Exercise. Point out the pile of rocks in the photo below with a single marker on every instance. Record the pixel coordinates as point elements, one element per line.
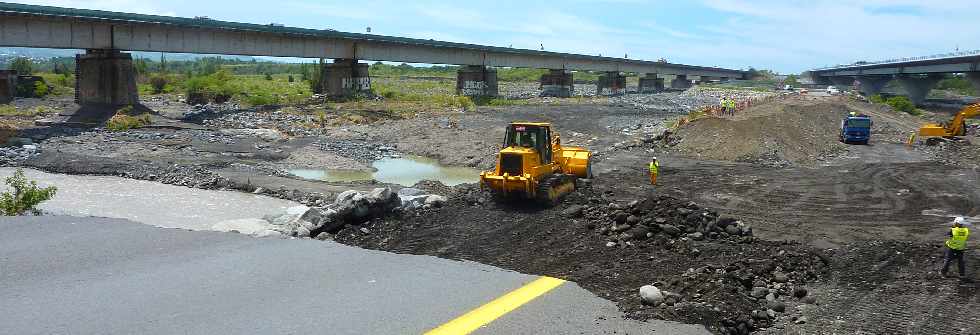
<point>668,102</point>
<point>13,155</point>
<point>350,208</point>
<point>662,217</point>
<point>772,284</point>
<point>358,150</point>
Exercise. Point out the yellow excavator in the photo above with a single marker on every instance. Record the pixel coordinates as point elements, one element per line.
<point>534,165</point>
<point>955,127</point>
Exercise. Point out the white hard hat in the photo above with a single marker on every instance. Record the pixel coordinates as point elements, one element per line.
<point>959,220</point>
<point>655,158</point>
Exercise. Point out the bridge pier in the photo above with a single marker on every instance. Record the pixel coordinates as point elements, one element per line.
<point>974,78</point>
<point>557,83</point>
<point>8,85</point>
<point>680,82</point>
<point>918,87</point>
<point>611,83</point>
<point>650,83</point>
<point>105,78</point>
<point>476,81</point>
<point>842,81</point>
<point>871,85</point>
<point>345,78</point>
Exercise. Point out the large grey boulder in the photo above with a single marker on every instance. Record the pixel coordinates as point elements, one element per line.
<point>651,295</point>
<point>434,200</point>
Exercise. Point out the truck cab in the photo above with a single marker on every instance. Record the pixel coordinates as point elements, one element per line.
<point>856,129</point>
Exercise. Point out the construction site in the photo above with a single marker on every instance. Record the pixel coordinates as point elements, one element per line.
<point>739,206</point>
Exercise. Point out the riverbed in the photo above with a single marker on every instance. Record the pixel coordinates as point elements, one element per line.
<point>149,202</point>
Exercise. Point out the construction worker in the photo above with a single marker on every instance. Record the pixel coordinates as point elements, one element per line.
<point>724,105</point>
<point>731,106</point>
<point>955,246</point>
<point>654,171</point>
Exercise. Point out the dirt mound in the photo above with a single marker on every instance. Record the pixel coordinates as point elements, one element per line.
<point>780,133</point>
<point>709,265</point>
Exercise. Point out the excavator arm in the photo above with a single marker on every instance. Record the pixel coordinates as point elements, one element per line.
<point>955,127</point>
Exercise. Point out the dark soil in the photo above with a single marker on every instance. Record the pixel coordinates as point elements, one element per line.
<point>709,280</point>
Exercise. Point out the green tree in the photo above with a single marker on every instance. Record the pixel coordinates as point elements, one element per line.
<point>22,65</point>
<point>792,80</point>
<point>25,197</point>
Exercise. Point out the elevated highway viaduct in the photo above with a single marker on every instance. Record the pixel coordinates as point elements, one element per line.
<point>105,75</point>
<point>917,75</point>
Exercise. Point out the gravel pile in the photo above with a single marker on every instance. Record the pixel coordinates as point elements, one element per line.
<point>665,102</point>
<point>358,150</point>
<point>17,154</point>
<point>288,123</point>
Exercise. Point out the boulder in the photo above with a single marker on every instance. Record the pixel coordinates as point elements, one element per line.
<point>410,191</point>
<point>697,236</point>
<point>413,201</point>
<point>759,292</point>
<point>435,200</point>
<point>733,230</point>
<point>780,277</point>
<point>670,229</point>
<point>324,219</point>
<point>651,295</point>
<point>799,292</point>
<point>573,211</point>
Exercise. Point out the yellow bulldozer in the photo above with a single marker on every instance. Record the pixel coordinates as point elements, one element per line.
<point>953,128</point>
<point>534,165</point>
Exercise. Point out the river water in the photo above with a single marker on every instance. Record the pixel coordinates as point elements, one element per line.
<point>149,202</point>
<point>405,171</point>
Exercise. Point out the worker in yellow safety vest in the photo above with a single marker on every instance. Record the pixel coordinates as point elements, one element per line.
<point>731,107</point>
<point>955,246</point>
<point>654,170</point>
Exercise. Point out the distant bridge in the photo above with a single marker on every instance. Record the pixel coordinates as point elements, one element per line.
<point>918,75</point>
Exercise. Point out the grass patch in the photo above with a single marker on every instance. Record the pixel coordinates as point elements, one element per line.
<point>123,120</point>
<point>11,110</point>
<point>903,104</point>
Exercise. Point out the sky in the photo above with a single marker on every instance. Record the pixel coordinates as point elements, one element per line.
<point>786,36</point>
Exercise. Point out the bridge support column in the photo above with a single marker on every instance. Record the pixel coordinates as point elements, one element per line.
<point>105,78</point>
<point>918,88</point>
<point>476,81</point>
<point>345,78</point>
<point>871,85</point>
<point>974,78</point>
<point>842,81</point>
<point>557,83</point>
<point>8,85</point>
<point>680,82</point>
<point>651,84</point>
<point>611,83</point>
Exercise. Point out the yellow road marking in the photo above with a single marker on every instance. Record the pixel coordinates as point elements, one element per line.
<point>485,314</point>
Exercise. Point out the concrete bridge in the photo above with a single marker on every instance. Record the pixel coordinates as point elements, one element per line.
<point>105,73</point>
<point>917,75</point>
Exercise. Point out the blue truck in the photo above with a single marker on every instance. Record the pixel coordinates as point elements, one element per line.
<point>855,129</point>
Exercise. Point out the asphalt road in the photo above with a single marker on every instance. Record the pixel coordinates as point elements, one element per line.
<point>68,275</point>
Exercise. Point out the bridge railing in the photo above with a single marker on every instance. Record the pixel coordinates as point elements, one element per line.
<point>903,60</point>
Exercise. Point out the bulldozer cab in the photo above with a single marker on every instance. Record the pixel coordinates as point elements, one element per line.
<point>530,136</point>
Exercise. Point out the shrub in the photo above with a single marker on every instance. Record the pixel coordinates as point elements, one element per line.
<point>158,83</point>
<point>26,195</point>
<point>876,99</point>
<point>268,76</point>
<point>40,89</point>
<point>291,79</point>
<point>123,120</point>
<point>902,104</point>
<point>23,65</point>
<point>262,99</point>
